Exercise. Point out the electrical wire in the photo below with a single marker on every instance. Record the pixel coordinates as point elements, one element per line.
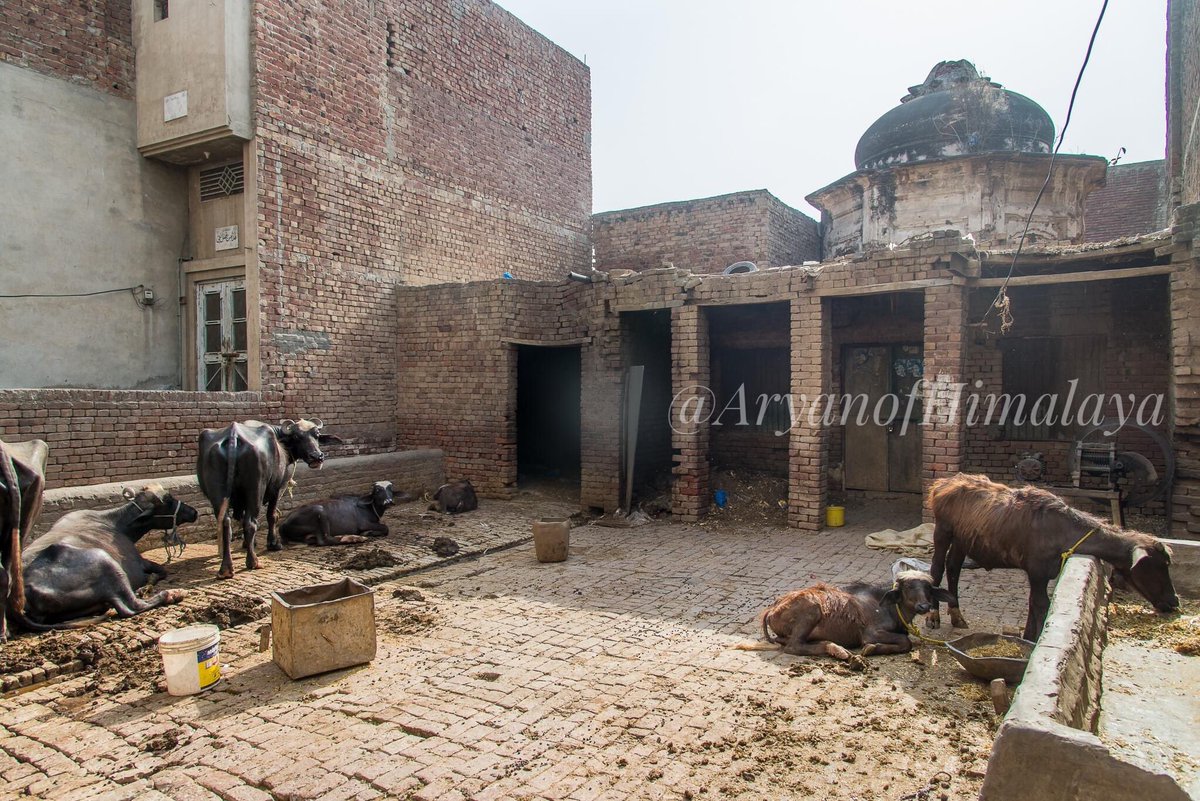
<point>1001,302</point>
<point>74,294</point>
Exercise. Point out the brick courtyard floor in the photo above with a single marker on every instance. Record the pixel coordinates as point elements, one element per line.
<point>609,675</point>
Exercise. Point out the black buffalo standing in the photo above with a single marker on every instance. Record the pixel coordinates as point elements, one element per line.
<point>342,519</point>
<point>22,479</point>
<point>244,466</point>
<point>88,562</point>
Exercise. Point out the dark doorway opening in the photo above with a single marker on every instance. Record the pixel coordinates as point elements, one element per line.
<point>646,342</point>
<point>548,419</point>
<point>750,372</point>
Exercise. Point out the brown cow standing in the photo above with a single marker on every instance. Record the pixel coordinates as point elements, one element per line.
<point>823,619</point>
<point>1030,528</point>
<point>22,480</point>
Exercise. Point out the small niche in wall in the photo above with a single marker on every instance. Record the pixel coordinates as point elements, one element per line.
<point>161,10</point>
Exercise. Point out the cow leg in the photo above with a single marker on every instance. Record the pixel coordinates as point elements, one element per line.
<point>375,530</point>
<point>324,535</point>
<point>274,541</point>
<point>249,530</point>
<point>886,642</point>
<point>954,565</point>
<point>127,603</point>
<point>943,536</point>
<point>226,570</point>
<point>1039,605</point>
<point>154,568</point>
<point>4,581</point>
<point>798,644</point>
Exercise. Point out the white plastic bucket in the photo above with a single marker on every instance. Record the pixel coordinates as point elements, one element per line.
<point>191,658</point>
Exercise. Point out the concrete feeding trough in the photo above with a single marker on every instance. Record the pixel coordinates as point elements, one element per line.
<point>321,627</point>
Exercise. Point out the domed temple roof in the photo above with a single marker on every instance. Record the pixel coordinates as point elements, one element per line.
<point>955,112</point>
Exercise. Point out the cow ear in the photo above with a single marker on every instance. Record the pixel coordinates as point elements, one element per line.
<point>890,598</point>
<point>127,494</point>
<point>1139,553</point>
<point>328,439</point>
<point>944,596</point>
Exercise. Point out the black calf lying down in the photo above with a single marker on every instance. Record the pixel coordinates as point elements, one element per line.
<point>455,498</point>
<point>88,562</point>
<point>342,520</point>
<point>827,620</point>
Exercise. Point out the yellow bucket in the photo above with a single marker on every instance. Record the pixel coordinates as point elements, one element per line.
<point>835,516</point>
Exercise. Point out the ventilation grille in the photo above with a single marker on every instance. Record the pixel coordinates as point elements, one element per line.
<point>221,182</point>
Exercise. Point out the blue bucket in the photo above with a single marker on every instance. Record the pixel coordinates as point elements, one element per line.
<point>720,499</point>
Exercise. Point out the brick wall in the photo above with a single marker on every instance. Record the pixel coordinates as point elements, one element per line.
<point>98,436</point>
<point>1183,99</point>
<point>456,375</point>
<point>1133,201</point>
<point>706,235</point>
<point>88,42</point>
<point>1185,356</point>
<point>402,144</point>
<point>415,472</point>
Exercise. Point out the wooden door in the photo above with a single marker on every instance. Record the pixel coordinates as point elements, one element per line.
<point>883,454</point>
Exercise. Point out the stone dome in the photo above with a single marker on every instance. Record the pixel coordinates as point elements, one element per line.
<point>955,112</point>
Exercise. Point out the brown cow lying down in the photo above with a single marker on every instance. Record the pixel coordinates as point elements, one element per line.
<point>823,619</point>
<point>342,519</point>
<point>88,562</point>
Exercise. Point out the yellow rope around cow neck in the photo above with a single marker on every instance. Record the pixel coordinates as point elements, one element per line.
<point>912,629</point>
<point>1067,554</point>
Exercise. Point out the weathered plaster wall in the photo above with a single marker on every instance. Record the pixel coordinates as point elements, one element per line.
<point>83,212</point>
<point>988,196</point>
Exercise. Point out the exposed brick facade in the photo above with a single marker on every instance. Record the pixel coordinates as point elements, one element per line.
<point>87,42</point>
<point>387,156</point>
<point>1183,101</point>
<point>99,436</point>
<point>706,235</point>
<point>1185,365</point>
<point>1132,202</point>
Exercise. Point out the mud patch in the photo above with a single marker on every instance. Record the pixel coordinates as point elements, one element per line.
<point>369,559</point>
<point>227,612</point>
<point>51,648</point>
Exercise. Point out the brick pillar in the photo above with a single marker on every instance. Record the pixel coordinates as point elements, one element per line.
<point>690,369</point>
<point>600,414</point>
<point>1185,379</point>
<point>943,439</point>
<point>811,354</point>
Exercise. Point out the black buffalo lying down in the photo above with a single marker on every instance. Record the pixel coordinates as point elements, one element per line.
<point>343,519</point>
<point>88,562</point>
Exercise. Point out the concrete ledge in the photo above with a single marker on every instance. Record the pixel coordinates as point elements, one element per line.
<point>1046,748</point>
<point>416,472</point>
<point>1185,567</point>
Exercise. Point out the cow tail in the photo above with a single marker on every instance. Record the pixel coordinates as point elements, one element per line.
<point>16,573</point>
<point>227,490</point>
<point>18,616</point>
<point>767,635</point>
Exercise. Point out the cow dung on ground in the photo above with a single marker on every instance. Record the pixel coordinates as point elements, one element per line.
<point>444,546</point>
<point>226,612</point>
<point>369,559</point>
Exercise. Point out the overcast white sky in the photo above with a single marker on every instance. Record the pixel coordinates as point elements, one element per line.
<point>692,98</point>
